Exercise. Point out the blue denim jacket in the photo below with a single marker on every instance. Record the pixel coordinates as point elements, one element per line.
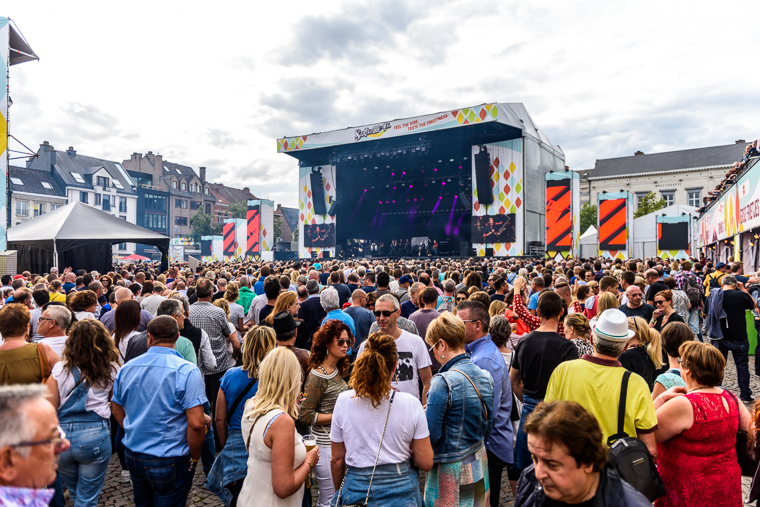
<point>454,411</point>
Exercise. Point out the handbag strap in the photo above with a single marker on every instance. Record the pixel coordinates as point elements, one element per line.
<point>248,440</point>
<point>621,410</point>
<point>387,415</point>
<point>485,409</point>
<point>239,399</point>
<point>44,365</point>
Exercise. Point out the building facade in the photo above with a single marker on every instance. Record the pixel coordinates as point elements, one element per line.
<point>33,193</point>
<point>678,177</point>
<point>226,196</point>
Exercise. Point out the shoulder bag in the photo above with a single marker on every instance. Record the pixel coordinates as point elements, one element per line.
<point>340,491</point>
<point>744,454</point>
<point>630,456</point>
<point>44,365</point>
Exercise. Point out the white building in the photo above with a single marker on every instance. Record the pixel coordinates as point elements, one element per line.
<point>33,193</point>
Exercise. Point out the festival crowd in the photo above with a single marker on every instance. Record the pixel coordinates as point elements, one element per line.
<point>381,383</point>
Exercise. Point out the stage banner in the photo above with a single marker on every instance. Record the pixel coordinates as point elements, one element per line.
<point>615,224</point>
<point>252,245</point>
<point>384,130</point>
<point>266,223</point>
<point>561,227</point>
<point>306,208</point>
<point>500,225</point>
<point>4,50</point>
<point>212,248</point>
<point>228,232</point>
<point>673,239</point>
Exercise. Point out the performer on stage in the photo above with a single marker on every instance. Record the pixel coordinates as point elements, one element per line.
<point>393,246</point>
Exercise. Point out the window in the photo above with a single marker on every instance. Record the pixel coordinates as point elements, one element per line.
<point>16,181</point>
<point>640,197</point>
<point>106,202</point>
<point>208,208</point>
<point>22,208</point>
<point>118,184</point>
<point>47,185</point>
<point>174,185</point>
<point>180,220</point>
<point>102,182</point>
<point>98,199</point>
<point>180,203</point>
<point>184,186</point>
<point>54,206</point>
<point>155,221</point>
<point>122,204</point>
<point>39,209</point>
<point>670,197</point>
<point>193,205</point>
<point>78,178</point>
<point>83,197</point>
<point>205,190</point>
<point>694,197</point>
<point>122,246</point>
<point>154,202</point>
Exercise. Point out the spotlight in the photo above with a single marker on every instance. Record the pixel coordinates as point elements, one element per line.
<point>365,189</point>
<point>393,174</point>
<point>411,187</point>
<point>435,169</point>
<point>443,183</point>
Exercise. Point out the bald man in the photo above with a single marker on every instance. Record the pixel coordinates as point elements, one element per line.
<point>363,318</point>
<point>108,319</point>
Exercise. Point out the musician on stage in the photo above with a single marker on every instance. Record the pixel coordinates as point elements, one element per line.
<point>490,231</point>
<point>393,247</point>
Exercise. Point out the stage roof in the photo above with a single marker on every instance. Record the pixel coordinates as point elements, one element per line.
<point>494,116</point>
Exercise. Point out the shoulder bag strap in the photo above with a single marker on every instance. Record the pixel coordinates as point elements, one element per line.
<point>239,399</point>
<point>44,365</point>
<point>248,440</point>
<point>621,410</point>
<point>485,409</point>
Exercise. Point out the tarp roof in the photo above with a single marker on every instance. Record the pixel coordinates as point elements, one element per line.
<point>20,51</point>
<point>76,225</point>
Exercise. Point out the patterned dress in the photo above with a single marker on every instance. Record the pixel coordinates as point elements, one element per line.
<point>459,484</point>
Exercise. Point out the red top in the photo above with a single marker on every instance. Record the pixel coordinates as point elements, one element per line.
<point>532,321</point>
<point>699,466</point>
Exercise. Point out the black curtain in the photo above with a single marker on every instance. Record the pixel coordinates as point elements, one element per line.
<point>39,260</point>
<point>32,259</point>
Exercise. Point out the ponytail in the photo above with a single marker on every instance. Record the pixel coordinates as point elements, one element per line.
<point>649,337</point>
<point>371,377</point>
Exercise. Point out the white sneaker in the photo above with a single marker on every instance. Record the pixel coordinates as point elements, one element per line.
<point>125,477</point>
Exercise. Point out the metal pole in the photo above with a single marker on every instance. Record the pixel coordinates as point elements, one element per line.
<point>55,255</point>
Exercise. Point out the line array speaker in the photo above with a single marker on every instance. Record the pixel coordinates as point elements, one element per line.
<point>483,176</point>
<point>318,193</point>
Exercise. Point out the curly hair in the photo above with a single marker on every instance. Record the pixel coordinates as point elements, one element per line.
<point>82,300</point>
<point>371,377</point>
<point>330,331</point>
<point>90,348</point>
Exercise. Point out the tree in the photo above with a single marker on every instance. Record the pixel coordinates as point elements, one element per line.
<point>588,216</point>
<point>649,204</point>
<point>203,224</point>
<point>277,227</point>
<point>238,210</point>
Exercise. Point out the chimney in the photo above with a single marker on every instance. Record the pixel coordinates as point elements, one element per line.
<point>638,153</point>
<point>203,174</point>
<point>247,190</point>
<point>740,141</point>
<point>159,161</point>
<point>71,151</point>
<point>136,156</point>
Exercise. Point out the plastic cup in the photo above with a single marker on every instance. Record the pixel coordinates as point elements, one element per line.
<point>310,443</point>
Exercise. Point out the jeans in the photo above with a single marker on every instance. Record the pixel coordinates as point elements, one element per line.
<point>324,477</point>
<point>694,321</point>
<point>207,451</point>
<point>522,455</point>
<point>119,444</point>
<point>83,467</point>
<point>159,482</point>
<point>394,485</point>
<point>213,382</point>
<point>740,351</point>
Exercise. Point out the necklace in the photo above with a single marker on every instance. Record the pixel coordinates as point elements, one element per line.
<point>697,389</point>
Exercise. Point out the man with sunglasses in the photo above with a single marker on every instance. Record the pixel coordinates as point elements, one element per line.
<point>413,359</point>
<point>31,442</point>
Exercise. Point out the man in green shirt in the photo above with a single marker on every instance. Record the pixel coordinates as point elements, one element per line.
<point>246,294</point>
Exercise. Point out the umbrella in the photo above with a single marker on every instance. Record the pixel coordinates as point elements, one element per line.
<point>134,257</point>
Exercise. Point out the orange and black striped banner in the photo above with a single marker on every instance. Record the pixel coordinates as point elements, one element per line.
<point>228,241</point>
<point>252,232</point>
<point>612,224</point>
<point>559,219</point>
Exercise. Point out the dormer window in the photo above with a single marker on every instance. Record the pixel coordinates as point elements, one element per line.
<point>184,187</point>
<point>174,185</point>
<point>205,191</point>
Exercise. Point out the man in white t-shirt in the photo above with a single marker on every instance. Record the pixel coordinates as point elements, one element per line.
<point>54,322</point>
<point>413,358</point>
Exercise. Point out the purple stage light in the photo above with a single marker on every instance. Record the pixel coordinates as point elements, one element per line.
<point>460,166</point>
<point>394,202</point>
<point>394,188</point>
<point>443,183</point>
<point>403,172</point>
<point>411,187</point>
<point>423,170</point>
<point>386,202</point>
<point>365,189</point>
<point>393,174</point>
<point>455,196</point>
<point>380,202</point>
<point>440,197</point>
<point>435,169</point>
<point>415,200</point>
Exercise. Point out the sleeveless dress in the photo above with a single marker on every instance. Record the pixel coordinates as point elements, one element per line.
<point>257,487</point>
<point>699,466</point>
<point>20,365</point>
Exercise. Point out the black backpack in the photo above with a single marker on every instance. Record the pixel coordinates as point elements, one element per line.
<point>693,290</point>
<point>630,456</point>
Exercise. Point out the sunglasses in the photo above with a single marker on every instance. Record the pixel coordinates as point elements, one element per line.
<point>658,303</point>
<point>342,342</point>
<point>384,313</point>
<point>56,441</point>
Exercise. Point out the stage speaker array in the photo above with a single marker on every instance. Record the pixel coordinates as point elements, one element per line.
<point>318,193</point>
<point>483,176</point>
<point>333,208</point>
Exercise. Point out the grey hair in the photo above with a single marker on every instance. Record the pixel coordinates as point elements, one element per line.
<point>302,279</point>
<point>245,281</point>
<point>500,330</point>
<point>389,297</point>
<point>183,301</point>
<point>729,280</point>
<point>329,299</point>
<point>61,315</point>
<point>361,271</point>
<point>449,285</point>
<point>312,286</point>
<point>39,286</point>
<point>608,348</point>
<point>170,307</point>
<point>17,427</point>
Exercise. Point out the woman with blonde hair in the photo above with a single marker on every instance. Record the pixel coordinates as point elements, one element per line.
<point>238,385</point>
<point>496,308</point>
<point>288,300</point>
<point>376,430</point>
<point>644,352</point>
<point>237,312</point>
<point>578,330</point>
<point>278,462</point>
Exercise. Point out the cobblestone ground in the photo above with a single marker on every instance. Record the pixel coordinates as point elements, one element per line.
<point>119,494</point>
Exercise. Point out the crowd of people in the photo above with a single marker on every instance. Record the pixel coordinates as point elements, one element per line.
<point>732,175</point>
<point>342,382</point>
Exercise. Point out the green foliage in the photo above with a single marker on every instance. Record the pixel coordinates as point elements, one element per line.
<point>649,204</point>
<point>278,227</point>
<point>203,224</point>
<point>238,210</point>
<point>588,216</point>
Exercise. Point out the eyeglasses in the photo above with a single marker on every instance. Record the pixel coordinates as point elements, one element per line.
<point>56,441</point>
<point>384,313</point>
<point>469,320</point>
<point>45,318</point>
<point>430,350</point>
<point>658,303</point>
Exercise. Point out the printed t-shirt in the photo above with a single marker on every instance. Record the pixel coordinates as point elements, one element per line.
<point>412,356</point>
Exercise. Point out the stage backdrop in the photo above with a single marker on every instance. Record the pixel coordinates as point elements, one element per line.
<point>508,197</point>
<point>306,207</point>
<point>615,224</point>
<point>253,229</point>
<point>562,226</point>
<point>673,236</point>
<point>211,248</point>
<point>235,236</point>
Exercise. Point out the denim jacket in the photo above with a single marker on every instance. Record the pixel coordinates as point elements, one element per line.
<point>455,413</point>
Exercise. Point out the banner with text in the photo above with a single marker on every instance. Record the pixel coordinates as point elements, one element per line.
<point>738,210</point>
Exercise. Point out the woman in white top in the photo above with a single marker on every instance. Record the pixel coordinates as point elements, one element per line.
<point>367,414</point>
<point>80,387</point>
<point>83,304</point>
<point>126,323</point>
<point>237,313</point>
<point>278,463</point>
<point>233,337</point>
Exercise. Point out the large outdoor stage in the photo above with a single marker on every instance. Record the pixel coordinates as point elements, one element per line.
<point>405,187</point>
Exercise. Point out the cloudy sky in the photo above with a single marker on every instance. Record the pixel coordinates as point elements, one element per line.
<point>216,83</point>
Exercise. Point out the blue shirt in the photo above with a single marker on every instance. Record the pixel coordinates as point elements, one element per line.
<point>234,382</point>
<point>343,317</point>
<point>155,389</point>
<point>258,287</point>
<point>363,320</point>
<point>533,302</point>
<point>408,308</point>
<point>486,355</point>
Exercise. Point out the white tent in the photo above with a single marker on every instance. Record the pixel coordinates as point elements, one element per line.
<point>589,242</point>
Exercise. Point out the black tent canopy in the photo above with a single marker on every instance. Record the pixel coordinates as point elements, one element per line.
<point>79,236</point>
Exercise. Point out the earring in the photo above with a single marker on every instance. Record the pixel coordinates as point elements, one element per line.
<point>442,357</point>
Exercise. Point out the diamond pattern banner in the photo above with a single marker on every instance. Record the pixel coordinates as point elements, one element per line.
<point>305,205</point>
<point>506,187</point>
